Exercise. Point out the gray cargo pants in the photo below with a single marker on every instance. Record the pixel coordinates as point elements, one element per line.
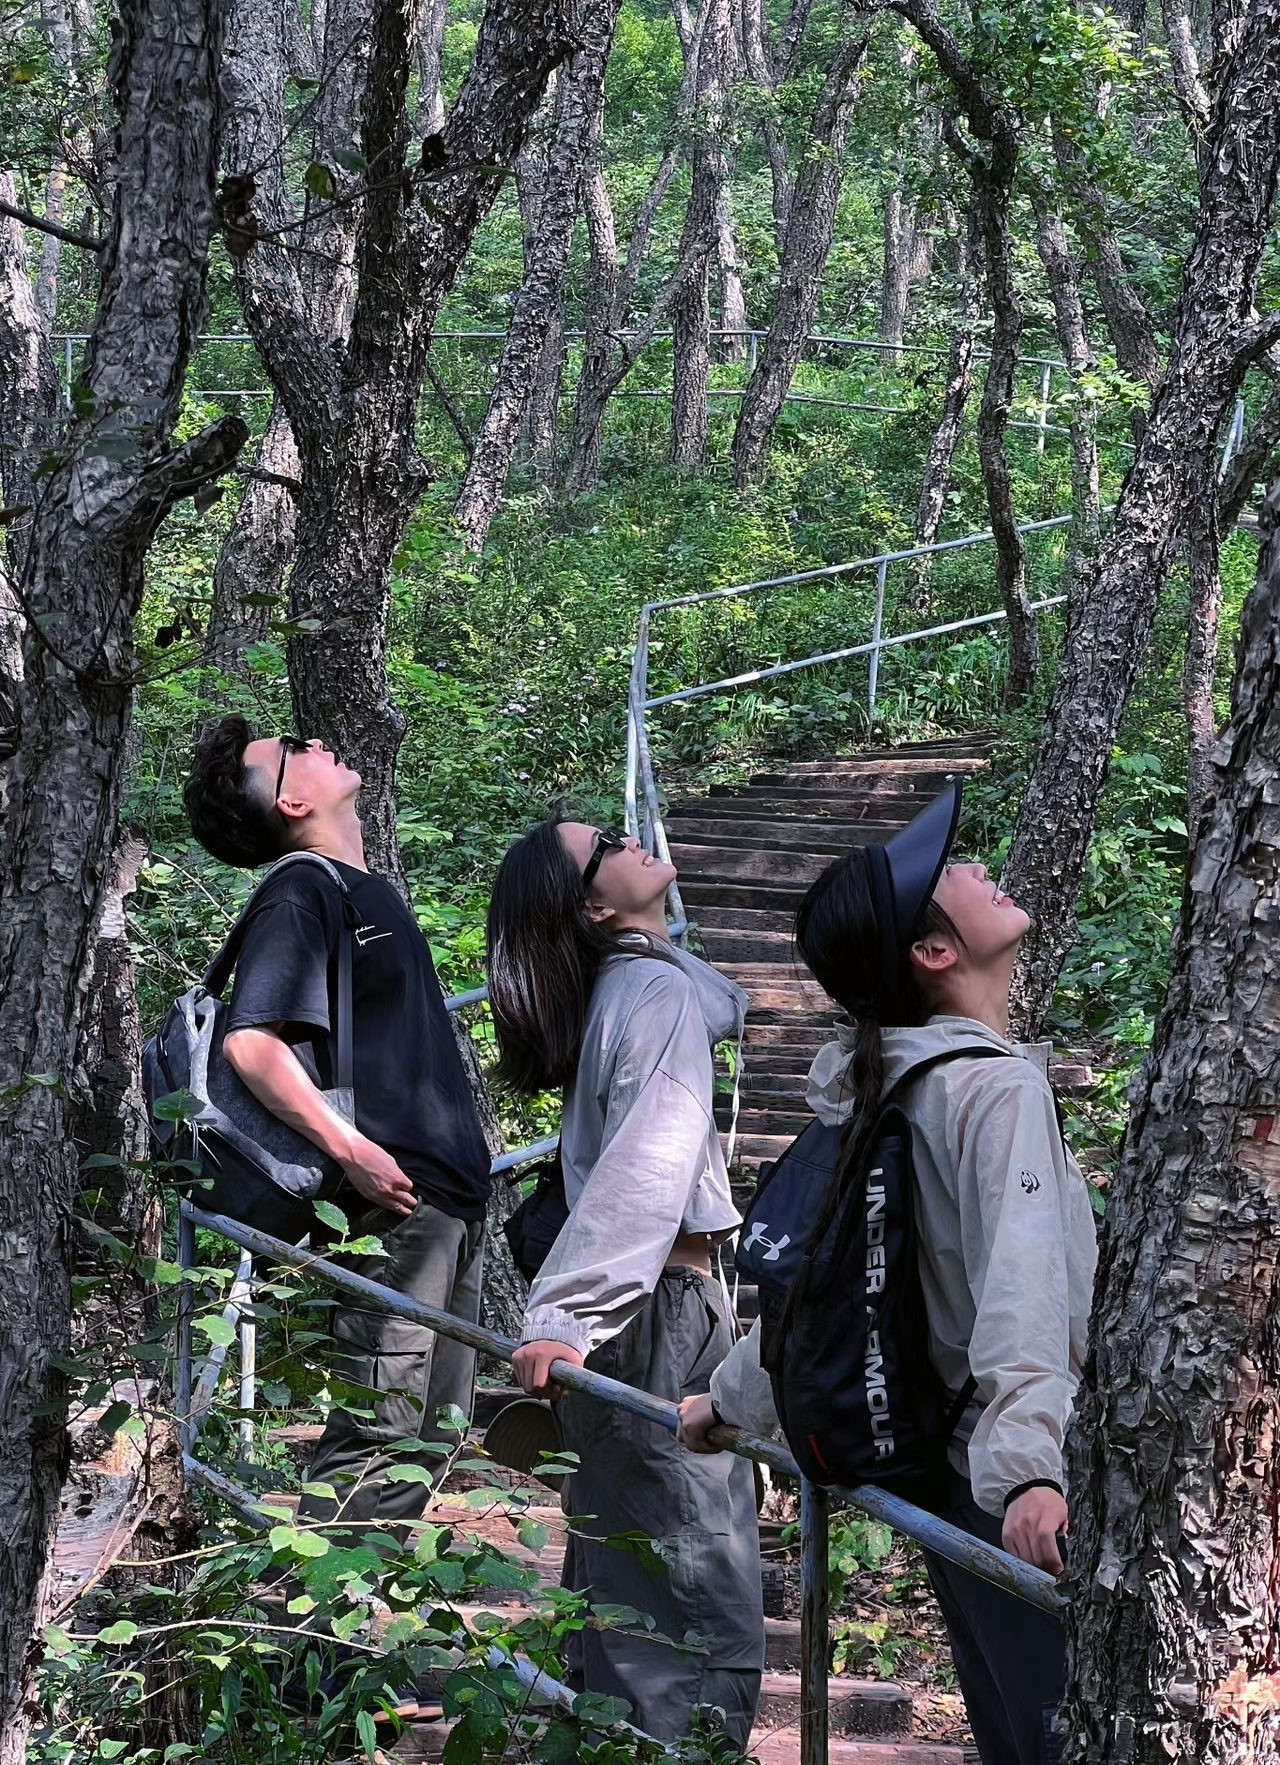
<point>416,1373</point>
<point>634,1477</point>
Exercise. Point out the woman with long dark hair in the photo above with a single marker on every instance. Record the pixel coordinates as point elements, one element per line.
<point>588,993</point>
<point>919,954</point>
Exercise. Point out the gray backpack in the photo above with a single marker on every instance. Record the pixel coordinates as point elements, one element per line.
<point>233,1155</point>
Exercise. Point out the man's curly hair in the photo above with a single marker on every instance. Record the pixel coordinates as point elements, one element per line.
<point>229,816</point>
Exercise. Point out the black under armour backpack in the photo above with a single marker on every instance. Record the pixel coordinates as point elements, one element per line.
<point>844,1336</point>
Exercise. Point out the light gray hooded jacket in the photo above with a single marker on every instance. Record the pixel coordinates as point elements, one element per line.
<point>1008,1251</point>
<point>638,1142</point>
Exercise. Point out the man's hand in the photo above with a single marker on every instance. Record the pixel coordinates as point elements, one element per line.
<point>697,1418</point>
<point>377,1176</point>
<point>1031,1526</point>
<point>532,1364</point>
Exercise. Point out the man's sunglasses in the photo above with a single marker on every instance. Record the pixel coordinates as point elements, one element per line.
<point>607,840</point>
<point>289,744</point>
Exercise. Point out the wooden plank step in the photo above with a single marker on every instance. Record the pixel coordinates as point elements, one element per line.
<point>699,893</point>
<point>780,833</point>
<point>748,946</point>
<point>744,919</point>
<point>781,1746</point>
<point>902,764</point>
<point>856,804</point>
<point>750,866</point>
<point>855,1706</point>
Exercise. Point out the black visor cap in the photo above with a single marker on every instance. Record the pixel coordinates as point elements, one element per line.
<point>913,861</point>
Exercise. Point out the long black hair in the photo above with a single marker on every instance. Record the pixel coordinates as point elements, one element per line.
<point>859,963</point>
<point>544,956</point>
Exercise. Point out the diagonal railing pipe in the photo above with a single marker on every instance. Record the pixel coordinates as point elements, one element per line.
<point>993,1565</point>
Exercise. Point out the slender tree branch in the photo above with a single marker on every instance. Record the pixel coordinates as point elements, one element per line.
<point>50,227</point>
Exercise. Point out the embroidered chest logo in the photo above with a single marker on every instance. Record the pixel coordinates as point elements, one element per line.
<point>1030,1182</point>
<point>369,934</point>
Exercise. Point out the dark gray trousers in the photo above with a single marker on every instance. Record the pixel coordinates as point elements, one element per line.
<point>701,1588</point>
<point>1010,1657</point>
<point>411,1372</point>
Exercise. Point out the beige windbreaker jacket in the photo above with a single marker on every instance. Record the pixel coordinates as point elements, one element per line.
<point>638,1142</point>
<point>1008,1251</point>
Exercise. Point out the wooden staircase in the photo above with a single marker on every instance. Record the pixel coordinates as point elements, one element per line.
<point>746,854</point>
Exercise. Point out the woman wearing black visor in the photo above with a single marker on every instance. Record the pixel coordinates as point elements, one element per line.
<point>918,952</point>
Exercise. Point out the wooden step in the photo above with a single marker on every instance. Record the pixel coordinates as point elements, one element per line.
<point>854,804</point>
<point>780,833</point>
<point>854,1706</point>
<point>744,919</point>
<point>916,767</point>
<point>783,897</point>
<point>748,946</point>
<point>767,869</point>
<point>781,1746</point>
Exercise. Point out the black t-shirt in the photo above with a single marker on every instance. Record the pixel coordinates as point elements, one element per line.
<point>411,1092</point>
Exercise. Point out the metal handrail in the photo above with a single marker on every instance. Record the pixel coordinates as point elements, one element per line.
<point>997,1566</point>
<point>640,777</point>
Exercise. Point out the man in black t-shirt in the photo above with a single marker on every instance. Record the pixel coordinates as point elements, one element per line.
<point>415,1158</point>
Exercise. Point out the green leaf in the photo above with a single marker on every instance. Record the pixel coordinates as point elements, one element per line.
<point>115,1416</point>
<point>344,1628</point>
<point>176,1106</point>
<point>302,1544</point>
<point>349,161</point>
<point>121,1631</point>
<point>111,1749</point>
<point>301,1605</point>
<point>318,179</point>
<point>331,1216</point>
<point>368,1733</point>
<point>409,1474</point>
<point>217,1329</point>
<point>532,1536</point>
<point>324,1490</point>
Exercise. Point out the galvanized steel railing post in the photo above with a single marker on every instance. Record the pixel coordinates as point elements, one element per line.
<point>1046,376</point>
<point>248,1355</point>
<point>186,1312</point>
<point>814,1623</point>
<point>877,626</point>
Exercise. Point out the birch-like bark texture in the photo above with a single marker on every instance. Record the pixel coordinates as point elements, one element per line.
<point>1063,276</point>
<point>538,311</point>
<point>936,479</point>
<point>82,576</point>
<point>351,386</point>
<point>1215,337</point>
<point>1203,622</point>
<point>691,313</point>
<point>992,162</point>
<point>1175,1479</point>
<point>811,223</point>
<point>254,559</point>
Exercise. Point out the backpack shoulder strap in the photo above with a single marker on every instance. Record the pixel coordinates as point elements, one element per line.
<point>220,970</point>
<point>972,1051</point>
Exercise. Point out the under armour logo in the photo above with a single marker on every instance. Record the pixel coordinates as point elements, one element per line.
<point>776,1246</point>
<point>1030,1182</point>
<point>369,934</point>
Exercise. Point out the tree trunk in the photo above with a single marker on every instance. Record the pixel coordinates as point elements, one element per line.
<point>908,256</point>
<point>1205,614</point>
<point>249,577</point>
<point>1068,311</point>
<point>1174,1480</point>
<point>537,319</point>
<point>1133,335</point>
<point>946,437</point>
<point>733,301</point>
<point>352,402</point>
<point>691,313</point>
<point>1214,340</point>
<point>810,227</point>
<point>96,516</point>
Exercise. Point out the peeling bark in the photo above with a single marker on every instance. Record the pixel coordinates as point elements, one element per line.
<point>1174,1475</point>
<point>936,481</point>
<point>254,560</point>
<point>351,385</point>
<point>1215,338</point>
<point>1204,619</point>
<point>733,300</point>
<point>1063,276</point>
<point>536,331</point>
<point>691,312</point>
<point>810,228</point>
<point>82,574</point>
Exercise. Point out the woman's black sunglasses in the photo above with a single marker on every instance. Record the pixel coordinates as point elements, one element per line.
<point>289,744</point>
<point>607,840</point>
